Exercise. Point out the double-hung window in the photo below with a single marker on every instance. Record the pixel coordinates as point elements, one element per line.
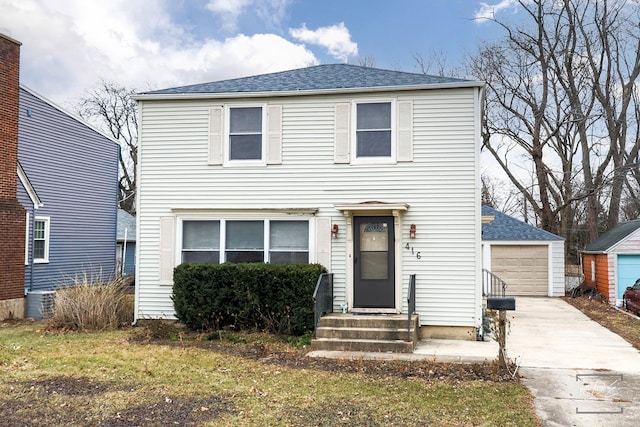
<point>274,241</point>
<point>374,137</point>
<point>288,242</point>
<point>41,240</point>
<point>246,134</point>
<point>201,241</point>
<point>245,241</point>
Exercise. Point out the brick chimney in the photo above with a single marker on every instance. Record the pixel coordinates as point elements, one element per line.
<point>12,214</point>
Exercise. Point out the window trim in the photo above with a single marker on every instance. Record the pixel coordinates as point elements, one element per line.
<point>228,161</point>
<point>355,160</point>
<point>47,239</point>
<point>266,230</point>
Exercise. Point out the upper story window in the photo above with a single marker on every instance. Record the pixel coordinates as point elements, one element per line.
<point>373,129</point>
<point>246,134</point>
<point>41,240</point>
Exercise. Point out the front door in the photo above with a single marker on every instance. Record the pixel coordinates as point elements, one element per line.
<point>374,262</point>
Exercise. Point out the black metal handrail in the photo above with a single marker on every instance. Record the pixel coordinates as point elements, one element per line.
<point>322,297</point>
<point>411,302</point>
<point>492,285</point>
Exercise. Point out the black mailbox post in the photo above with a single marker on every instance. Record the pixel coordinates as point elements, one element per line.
<point>502,304</point>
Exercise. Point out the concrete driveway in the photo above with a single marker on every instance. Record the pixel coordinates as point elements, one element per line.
<point>580,373</point>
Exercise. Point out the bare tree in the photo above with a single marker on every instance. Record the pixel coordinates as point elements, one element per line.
<point>562,97</point>
<point>366,61</point>
<point>111,107</point>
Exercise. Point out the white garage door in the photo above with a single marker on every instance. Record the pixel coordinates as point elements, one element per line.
<point>525,268</point>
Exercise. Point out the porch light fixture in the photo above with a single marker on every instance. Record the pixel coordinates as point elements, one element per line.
<point>412,231</point>
<point>334,231</point>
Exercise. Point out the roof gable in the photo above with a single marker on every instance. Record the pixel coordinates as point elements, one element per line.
<point>316,78</point>
<point>505,227</point>
<point>613,237</point>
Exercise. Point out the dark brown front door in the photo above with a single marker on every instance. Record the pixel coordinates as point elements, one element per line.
<point>374,262</point>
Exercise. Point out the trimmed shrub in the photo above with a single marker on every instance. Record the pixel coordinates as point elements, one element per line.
<point>267,297</point>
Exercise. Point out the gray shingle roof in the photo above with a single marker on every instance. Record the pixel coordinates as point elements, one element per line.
<point>613,236</point>
<point>319,77</point>
<point>505,227</point>
<point>128,222</point>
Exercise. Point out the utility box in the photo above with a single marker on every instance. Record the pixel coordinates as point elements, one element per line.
<point>40,304</point>
<point>501,303</point>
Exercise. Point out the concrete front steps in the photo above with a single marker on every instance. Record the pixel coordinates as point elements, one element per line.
<point>366,332</point>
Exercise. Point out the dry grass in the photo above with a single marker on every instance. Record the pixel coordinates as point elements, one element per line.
<point>122,378</point>
<point>617,321</point>
<point>92,305</point>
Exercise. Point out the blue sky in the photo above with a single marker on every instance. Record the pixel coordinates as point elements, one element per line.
<point>68,46</point>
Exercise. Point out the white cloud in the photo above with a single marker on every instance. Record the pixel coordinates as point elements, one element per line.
<point>488,11</point>
<point>271,12</point>
<point>229,11</point>
<point>335,38</point>
<point>68,46</point>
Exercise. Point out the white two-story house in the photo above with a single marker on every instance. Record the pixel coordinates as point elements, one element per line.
<point>372,173</point>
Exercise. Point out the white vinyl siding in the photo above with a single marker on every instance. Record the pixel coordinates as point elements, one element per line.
<point>557,268</point>
<point>441,185</point>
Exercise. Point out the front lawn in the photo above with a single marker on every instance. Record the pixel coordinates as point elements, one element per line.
<point>122,378</point>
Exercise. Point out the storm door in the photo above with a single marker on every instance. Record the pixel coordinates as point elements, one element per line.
<point>374,262</point>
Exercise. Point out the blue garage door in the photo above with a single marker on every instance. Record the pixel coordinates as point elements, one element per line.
<point>628,272</point>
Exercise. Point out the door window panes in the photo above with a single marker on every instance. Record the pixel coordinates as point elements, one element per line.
<point>374,247</point>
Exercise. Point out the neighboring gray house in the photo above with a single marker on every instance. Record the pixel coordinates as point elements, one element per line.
<point>530,260</point>
<point>67,183</point>
<point>372,173</point>
<point>126,243</point>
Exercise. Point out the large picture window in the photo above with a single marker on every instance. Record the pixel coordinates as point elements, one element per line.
<point>271,240</point>
<point>245,133</point>
<point>373,129</point>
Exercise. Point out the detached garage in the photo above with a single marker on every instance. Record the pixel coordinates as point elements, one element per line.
<point>530,260</point>
<point>612,262</point>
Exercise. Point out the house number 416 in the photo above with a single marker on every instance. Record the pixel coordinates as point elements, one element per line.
<point>417,254</point>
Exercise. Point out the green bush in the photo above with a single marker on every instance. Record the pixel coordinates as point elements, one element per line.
<point>267,297</point>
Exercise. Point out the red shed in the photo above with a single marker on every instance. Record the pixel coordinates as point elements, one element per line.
<point>612,262</point>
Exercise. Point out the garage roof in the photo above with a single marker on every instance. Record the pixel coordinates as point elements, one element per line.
<point>505,227</point>
<point>613,236</point>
